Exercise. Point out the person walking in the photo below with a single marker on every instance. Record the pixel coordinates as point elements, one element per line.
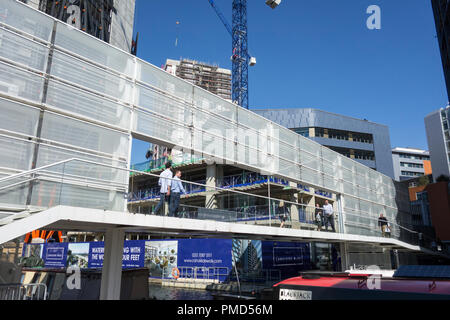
<point>165,185</point>
<point>281,214</point>
<point>383,224</point>
<point>318,215</point>
<point>176,189</point>
<point>328,215</point>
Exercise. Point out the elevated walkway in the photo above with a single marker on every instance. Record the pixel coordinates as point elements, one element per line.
<point>96,220</point>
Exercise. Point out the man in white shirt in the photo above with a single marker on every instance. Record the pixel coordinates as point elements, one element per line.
<point>165,185</point>
<point>328,215</point>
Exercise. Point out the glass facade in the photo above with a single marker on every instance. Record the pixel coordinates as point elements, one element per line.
<point>83,98</point>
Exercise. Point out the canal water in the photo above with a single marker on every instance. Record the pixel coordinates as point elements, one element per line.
<point>159,292</point>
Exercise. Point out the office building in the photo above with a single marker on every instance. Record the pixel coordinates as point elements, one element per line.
<point>109,20</point>
<point>441,11</point>
<point>207,76</point>
<point>361,140</point>
<point>410,163</point>
<point>437,125</point>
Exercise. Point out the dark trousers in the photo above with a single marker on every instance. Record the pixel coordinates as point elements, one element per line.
<point>174,203</point>
<point>329,219</point>
<point>161,203</point>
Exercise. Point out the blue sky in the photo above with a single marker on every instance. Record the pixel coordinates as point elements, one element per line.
<point>317,54</point>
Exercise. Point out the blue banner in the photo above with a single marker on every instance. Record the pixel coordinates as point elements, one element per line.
<point>133,254</point>
<point>288,257</point>
<point>55,255</point>
<point>96,253</point>
<point>210,257</point>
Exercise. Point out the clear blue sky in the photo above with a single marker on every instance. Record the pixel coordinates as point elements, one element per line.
<point>316,54</point>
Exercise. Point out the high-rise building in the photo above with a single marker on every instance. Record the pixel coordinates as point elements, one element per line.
<point>437,126</point>
<point>364,141</point>
<point>109,20</point>
<point>410,163</point>
<point>441,10</point>
<point>207,76</point>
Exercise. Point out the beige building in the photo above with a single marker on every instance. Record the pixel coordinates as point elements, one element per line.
<point>207,76</point>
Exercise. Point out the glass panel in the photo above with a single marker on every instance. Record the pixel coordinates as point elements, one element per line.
<point>214,125</point>
<point>18,117</point>
<point>90,105</point>
<point>16,154</point>
<point>22,84</point>
<point>309,161</point>
<point>209,144</point>
<point>253,121</point>
<point>82,134</point>
<point>100,52</point>
<point>287,152</point>
<point>162,129</point>
<point>207,101</point>
<point>309,146</point>
<point>162,105</point>
<point>26,19</point>
<point>288,169</point>
<point>15,193</point>
<point>50,154</point>
<point>252,139</point>
<point>89,76</point>
<point>285,135</point>
<point>22,50</point>
<point>162,80</point>
<point>308,175</point>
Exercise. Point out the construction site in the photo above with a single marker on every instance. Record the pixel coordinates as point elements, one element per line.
<point>256,199</point>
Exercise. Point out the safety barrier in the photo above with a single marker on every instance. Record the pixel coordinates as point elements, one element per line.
<point>31,291</point>
<point>196,273</point>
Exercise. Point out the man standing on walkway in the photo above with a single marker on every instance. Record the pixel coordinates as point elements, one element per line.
<point>165,184</point>
<point>176,189</point>
<point>328,215</point>
<point>383,224</point>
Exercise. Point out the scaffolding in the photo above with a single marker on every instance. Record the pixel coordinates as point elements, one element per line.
<point>209,77</point>
<point>91,16</point>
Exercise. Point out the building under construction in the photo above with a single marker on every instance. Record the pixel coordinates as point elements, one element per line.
<point>109,20</point>
<point>209,77</point>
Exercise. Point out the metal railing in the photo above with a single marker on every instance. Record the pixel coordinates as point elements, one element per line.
<point>84,183</point>
<point>197,273</point>
<point>18,291</point>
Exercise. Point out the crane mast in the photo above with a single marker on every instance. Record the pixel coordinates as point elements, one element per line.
<point>239,43</point>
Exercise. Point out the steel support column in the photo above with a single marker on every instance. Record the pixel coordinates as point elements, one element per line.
<point>112,265</point>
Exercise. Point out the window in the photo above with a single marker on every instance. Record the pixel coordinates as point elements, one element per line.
<point>411,165</point>
<point>411,174</point>
<point>302,131</point>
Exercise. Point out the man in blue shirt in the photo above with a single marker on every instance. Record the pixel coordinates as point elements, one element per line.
<point>176,189</point>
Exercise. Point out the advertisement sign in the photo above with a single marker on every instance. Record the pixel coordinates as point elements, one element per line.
<point>211,258</point>
<point>78,255</point>
<point>96,253</point>
<point>188,258</point>
<point>133,254</point>
<point>288,257</point>
<point>55,255</point>
<point>161,257</point>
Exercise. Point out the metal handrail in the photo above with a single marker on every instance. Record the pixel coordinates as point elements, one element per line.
<point>197,273</point>
<point>212,188</point>
<point>19,291</point>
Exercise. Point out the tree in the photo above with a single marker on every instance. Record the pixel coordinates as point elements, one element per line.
<point>423,181</point>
